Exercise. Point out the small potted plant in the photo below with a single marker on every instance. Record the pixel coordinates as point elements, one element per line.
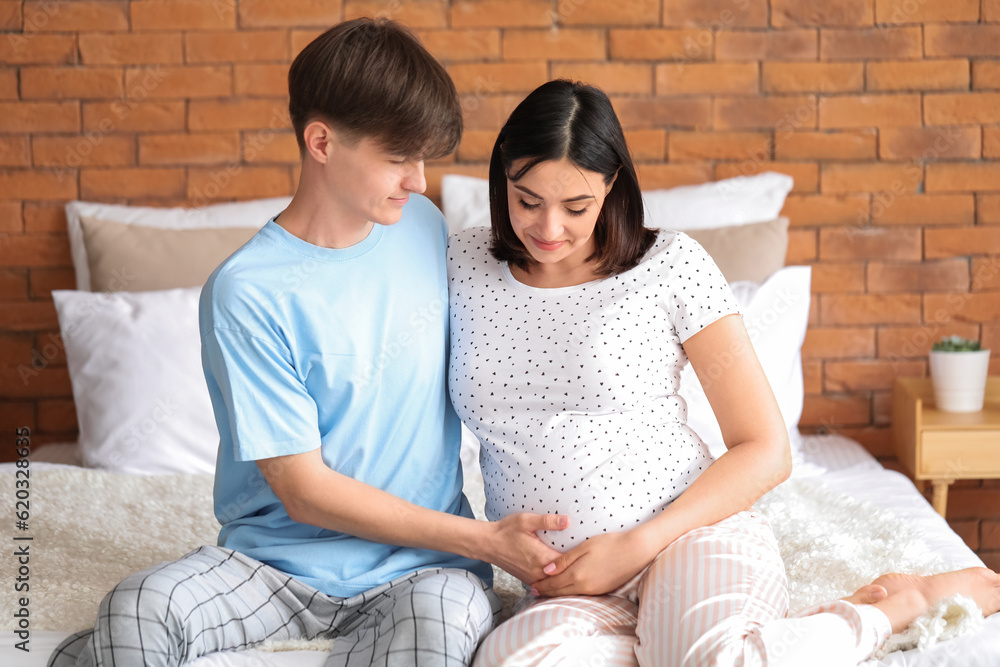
<point>958,371</point>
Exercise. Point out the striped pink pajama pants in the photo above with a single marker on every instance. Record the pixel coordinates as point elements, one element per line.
<point>717,596</point>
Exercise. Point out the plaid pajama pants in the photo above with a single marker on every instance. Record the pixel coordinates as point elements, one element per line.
<point>217,599</point>
<point>716,597</point>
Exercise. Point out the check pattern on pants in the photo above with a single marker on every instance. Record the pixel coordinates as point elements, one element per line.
<point>716,597</point>
<point>217,599</point>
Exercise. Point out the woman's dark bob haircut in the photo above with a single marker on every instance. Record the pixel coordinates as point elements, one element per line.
<point>566,119</point>
<point>371,78</point>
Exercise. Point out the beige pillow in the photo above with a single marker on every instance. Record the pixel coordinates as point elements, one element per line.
<point>134,258</point>
<point>746,252</point>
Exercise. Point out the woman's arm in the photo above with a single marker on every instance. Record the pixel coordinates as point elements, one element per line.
<point>757,460</point>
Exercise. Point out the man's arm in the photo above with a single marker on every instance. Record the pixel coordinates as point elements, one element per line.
<point>314,494</point>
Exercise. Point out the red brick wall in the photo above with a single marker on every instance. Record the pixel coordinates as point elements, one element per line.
<point>886,112</point>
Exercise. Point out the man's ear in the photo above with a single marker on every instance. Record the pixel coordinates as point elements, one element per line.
<point>320,140</point>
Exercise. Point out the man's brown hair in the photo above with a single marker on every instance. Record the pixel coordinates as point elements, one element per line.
<point>373,78</point>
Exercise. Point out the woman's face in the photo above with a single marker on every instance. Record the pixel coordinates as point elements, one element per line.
<point>554,209</point>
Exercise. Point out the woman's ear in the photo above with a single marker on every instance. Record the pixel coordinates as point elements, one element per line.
<point>611,183</point>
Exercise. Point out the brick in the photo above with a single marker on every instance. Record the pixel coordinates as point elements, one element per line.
<point>14,151</point>
<point>180,149</point>
<point>199,15</point>
<point>44,218</point>
<point>885,110</point>
<point>812,377</point>
<point>894,177</point>
<point>928,276</point>
<point>882,407</point>
<point>973,504</point>
<point>612,78</point>
<point>23,381</point>
<point>812,210</point>
<point>835,411</point>
<point>784,113</point>
<point>801,250</point>
<point>17,415</point>
<point>37,49</point>
<point>36,184</point>
<point>868,375</point>
<point>457,45</point>
<point>501,13</point>
<point>238,114</point>
<point>988,209</point>
<point>794,44</point>
<point>684,146</point>
<point>805,174</point>
<point>870,43</point>
<point>260,80</point>
<point>11,217</point>
<point>923,210</point>
<point>413,14</point>
<point>56,415</point>
<point>991,10</point>
<point>10,15</point>
<point>488,113</point>
<point>962,177</point>
<point>477,146</point>
<point>840,145</point>
<point>961,241</point>
<point>635,12</point>
<point>132,115</point>
<point>206,185</point>
<point>785,13</point>
<point>930,143</point>
<point>925,11</point>
<point>961,108</point>
<point>13,287</point>
<point>111,150</point>
<point>14,349</point>
<point>180,82</point>
<point>660,176</point>
<point>838,343</point>
<point>647,144</point>
<point>32,250</point>
<point>991,335</point>
<point>43,281</point>
<point>853,243</point>
<point>265,146</point>
<point>8,84</point>
<point>991,535</point>
<point>40,116</point>
<point>674,44</point>
<point>548,44</point>
<point>985,75</point>
<point>972,307</point>
<point>223,46</point>
<point>715,14</point>
<point>131,49</point>
<point>919,75</point>
<point>838,277</point>
<point>640,112</point>
<point>908,342</point>
<point>486,78</point>
<point>874,309</point>
<point>134,182</point>
<point>79,16</point>
<point>942,39</point>
<point>780,77</point>
<point>725,78</point>
<point>986,273</point>
<point>69,82</point>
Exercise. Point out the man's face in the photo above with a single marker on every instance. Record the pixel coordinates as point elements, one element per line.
<point>371,184</point>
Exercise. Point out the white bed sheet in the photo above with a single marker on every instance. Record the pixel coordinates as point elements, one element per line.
<point>837,461</point>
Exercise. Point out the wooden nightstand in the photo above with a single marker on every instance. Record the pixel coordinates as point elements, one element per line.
<point>945,446</point>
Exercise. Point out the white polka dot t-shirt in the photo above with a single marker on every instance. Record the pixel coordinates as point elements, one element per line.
<point>572,391</point>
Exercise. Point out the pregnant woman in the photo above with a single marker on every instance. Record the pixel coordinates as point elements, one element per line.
<point>570,324</point>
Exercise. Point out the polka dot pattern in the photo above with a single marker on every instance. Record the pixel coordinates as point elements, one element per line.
<point>572,391</point>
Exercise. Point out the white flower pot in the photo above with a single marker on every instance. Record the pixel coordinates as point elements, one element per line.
<point>959,379</point>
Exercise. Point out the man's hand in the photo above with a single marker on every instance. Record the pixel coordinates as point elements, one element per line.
<point>598,566</point>
<point>515,546</point>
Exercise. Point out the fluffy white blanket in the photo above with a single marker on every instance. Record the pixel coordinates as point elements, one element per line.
<point>91,529</point>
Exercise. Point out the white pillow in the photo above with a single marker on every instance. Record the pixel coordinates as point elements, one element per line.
<point>776,314</point>
<point>254,213</point>
<point>733,201</point>
<point>135,364</point>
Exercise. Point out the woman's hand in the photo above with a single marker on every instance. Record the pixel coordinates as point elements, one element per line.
<point>598,566</point>
<point>514,545</point>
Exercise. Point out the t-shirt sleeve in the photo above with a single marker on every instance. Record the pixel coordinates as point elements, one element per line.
<point>698,292</point>
<point>269,409</point>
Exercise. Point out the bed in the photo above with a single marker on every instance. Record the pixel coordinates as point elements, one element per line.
<point>135,489</point>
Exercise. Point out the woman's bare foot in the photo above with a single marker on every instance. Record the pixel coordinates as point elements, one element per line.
<point>909,596</point>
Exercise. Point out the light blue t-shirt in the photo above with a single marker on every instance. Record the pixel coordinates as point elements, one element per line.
<point>344,349</point>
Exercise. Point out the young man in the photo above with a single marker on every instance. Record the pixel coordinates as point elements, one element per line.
<point>324,338</point>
